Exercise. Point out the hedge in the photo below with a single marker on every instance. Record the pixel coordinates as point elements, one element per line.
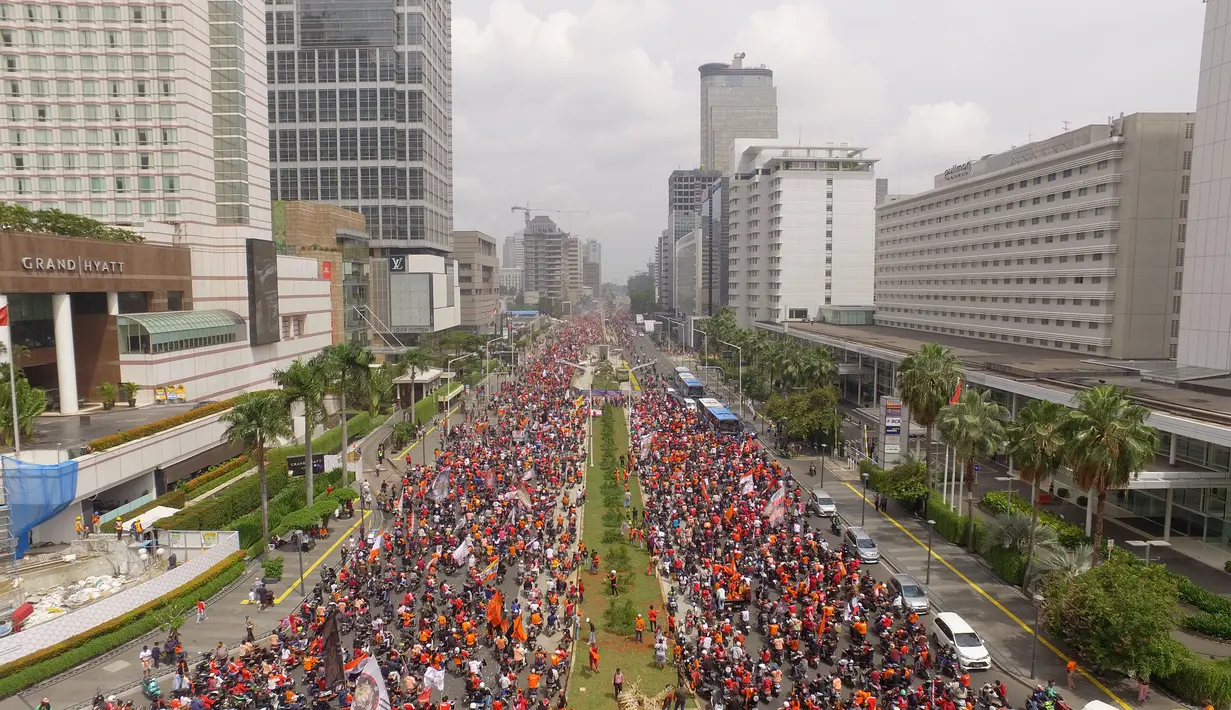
<point>1067,534</point>
<point>50,662</point>
<point>425,409</point>
<point>1199,679</point>
<point>216,476</point>
<point>124,437</point>
<point>223,511</point>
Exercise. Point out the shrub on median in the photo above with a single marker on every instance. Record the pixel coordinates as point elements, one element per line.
<point>216,476</point>
<point>1067,534</point>
<point>124,437</point>
<point>1198,679</point>
<point>50,662</point>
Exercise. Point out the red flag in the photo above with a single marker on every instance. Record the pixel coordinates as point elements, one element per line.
<point>4,316</point>
<point>957,393</point>
<point>425,696</point>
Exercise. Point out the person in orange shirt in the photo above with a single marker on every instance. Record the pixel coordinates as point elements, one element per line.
<point>594,657</point>
<point>637,635</point>
<point>653,614</point>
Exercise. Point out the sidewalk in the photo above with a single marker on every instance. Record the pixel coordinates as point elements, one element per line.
<point>1000,613</point>
<point>119,671</point>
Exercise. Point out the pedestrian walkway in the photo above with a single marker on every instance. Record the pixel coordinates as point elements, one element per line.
<point>118,672</point>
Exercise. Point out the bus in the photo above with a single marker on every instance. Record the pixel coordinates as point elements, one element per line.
<point>689,385</point>
<point>718,416</point>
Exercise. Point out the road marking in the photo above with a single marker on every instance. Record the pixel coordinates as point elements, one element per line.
<point>314,565</point>
<point>116,667</point>
<point>994,602</point>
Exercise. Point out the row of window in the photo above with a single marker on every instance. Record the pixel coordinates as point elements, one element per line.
<point>113,113</point>
<point>327,66</point>
<point>329,144</point>
<point>1028,320</point>
<point>91,88</point>
<point>86,64</point>
<point>1001,244</point>
<point>1004,337</point>
<point>353,183</point>
<point>36,40</point>
<point>119,185</point>
<point>1010,186</point>
<point>101,209</point>
<point>1062,259</point>
<point>311,105</point>
<point>34,12</point>
<point>408,28</point>
<point>115,137</point>
<point>995,281</point>
<point>1031,300</point>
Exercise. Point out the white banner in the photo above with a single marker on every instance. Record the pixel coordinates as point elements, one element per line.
<point>370,691</point>
<point>462,551</point>
<point>434,678</point>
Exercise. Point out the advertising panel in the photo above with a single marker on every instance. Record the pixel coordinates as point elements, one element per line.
<point>264,325</point>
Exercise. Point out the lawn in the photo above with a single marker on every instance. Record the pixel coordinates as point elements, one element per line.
<point>617,649</point>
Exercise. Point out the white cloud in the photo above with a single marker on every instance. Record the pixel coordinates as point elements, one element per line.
<point>930,138</point>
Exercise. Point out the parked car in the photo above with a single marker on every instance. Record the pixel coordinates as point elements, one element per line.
<point>858,541</point>
<point>822,503</point>
<point>951,631</point>
<point>911,592</point>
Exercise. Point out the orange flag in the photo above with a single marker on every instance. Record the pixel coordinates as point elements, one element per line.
<point>495,609</point>
<point>519,631</point>
<point>957,393</point>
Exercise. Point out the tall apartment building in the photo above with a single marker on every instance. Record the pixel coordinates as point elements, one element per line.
<point>552,264</point>
<point>801,231</point>
<point>1075,242</point>
<point>663,256</point>
<point>592,265</point>
<point>1205,327</point>
<point>685,189</point>
<point>360,112</point>
<point>688,277</point>
<point>714,235</point>
<point>736,102</point>
<point>149,115</point>
<point>512,252</point>
<point>478,277</point>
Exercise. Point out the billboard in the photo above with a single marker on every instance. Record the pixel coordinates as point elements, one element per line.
<point>264,325</point>
<point>297,464</point>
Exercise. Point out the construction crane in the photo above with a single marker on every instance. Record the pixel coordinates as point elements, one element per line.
<point>527,212</point>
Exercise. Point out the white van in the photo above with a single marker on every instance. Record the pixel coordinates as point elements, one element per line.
<point>951,631</point>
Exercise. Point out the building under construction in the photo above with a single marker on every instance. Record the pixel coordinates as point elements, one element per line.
<point>552,266</point>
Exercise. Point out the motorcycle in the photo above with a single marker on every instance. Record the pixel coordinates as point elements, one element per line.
<point>150,689</point>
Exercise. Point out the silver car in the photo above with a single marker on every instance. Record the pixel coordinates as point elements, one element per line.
<point>859,542</point>
<point>823,504</point>
<point>911,592</point>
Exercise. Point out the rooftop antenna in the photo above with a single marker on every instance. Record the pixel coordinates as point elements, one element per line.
<point>801,134</point>
<point>1065,125</point>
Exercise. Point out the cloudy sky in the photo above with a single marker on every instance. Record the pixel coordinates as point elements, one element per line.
<point>590,104</point>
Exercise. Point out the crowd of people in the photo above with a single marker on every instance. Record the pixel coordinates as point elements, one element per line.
<point>461,591</point>
<point>458,591</point>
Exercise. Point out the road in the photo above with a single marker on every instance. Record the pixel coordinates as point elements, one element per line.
<point>958,582</point>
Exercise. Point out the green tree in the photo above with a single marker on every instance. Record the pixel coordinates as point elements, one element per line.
<point>380,387</point>
<point>348,370</point>
<point>1037,446</point>
<point>927,380</point>
<point>907,481</point>
<point>1118,616</point>
<point>304,383</point>
<point>974,427</point>
<point>1109,443</point>
<point>256,423</point>
<point>31,403</point>
<point>416,361</point>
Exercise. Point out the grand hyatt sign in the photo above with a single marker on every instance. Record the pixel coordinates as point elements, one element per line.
<point>71,266</point>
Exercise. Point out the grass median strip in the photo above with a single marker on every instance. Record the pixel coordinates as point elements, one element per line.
<point>615,616</point>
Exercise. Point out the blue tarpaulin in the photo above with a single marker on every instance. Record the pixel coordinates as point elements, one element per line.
<point>36,493</point>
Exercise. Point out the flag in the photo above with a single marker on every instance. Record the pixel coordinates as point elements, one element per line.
<point>519,630</point>
<point>490,573</point>
<point>776,507</point>
<point>370,692</point>
<point>957,393</point>
<point>495,609</point>
<point>354,663</point>
<point>433,678</point>
<point>462,551</point>
<point>331,651</point>
<point>426,695</point>
<point>440,486</point>
<point>745,483</point>
<point>4,316</point>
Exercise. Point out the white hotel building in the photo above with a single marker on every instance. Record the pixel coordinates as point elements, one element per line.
<point>801,231</point>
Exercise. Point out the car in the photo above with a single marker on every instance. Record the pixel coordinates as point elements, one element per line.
<point>951,631</point>
<point>858,540</point>
<point>911,591</point>
<point>822,503</point>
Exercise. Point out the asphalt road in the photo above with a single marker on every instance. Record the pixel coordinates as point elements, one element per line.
<point>849,509</point>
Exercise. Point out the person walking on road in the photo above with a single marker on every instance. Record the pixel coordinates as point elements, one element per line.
<point>1143,688</point>
<point>201,615</point>
<point>251,638</point>
<point>1070,672</point>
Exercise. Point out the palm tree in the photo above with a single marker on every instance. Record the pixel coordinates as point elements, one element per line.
<point>1060,560</point>
<point>348,371</point>
<point>380,387</point>
<point>416,361</point>
<point>974,427</point>
<point>1037,447</point>
<point>256,422</point>
<point>1109,443</point>
<point>304,383</point>
<point>1020,532</point>
<point>927,381</point>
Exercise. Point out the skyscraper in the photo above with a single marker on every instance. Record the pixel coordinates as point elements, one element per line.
<point>513,255</point>
<point>360,112</point>
<point>685,189</point>
<point>736,102</point>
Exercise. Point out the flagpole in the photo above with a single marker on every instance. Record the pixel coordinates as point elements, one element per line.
<point>4,322</point>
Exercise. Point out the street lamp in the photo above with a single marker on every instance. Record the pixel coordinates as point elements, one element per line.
<point>824,450</point>
<point>1008,486</point>
<point>863,513</point>
<point>741,385</point>
<point>449,367</point>
<point>1147,544</point>
<point>928,579</point>
<point>487,356</point>
<point>1034,650</point>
